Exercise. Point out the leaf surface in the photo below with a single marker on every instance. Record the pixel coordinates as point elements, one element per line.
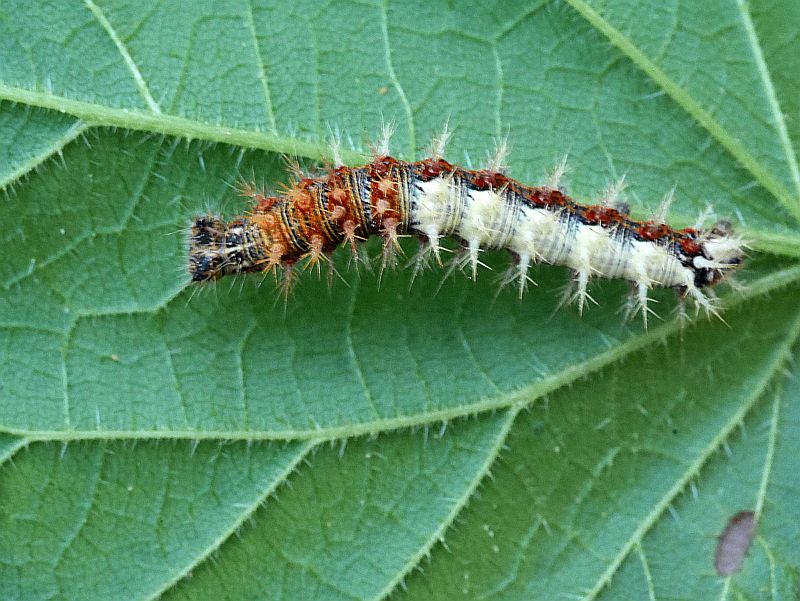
<point>625,471</point>
<point>118,520</point>
<point>136,412</point>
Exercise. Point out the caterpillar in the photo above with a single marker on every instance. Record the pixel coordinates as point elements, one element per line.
<point>483,209</point>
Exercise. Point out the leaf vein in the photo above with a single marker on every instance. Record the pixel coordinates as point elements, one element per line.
<point>69,538</point>
<point>248,511</point>
<point>498,116</point>
<point>772,442</point>
<point>174,125</point>
<point>438,533</point>
<point>525,395</point>
<point>8,452</point>
<point>781,354</point>
<point>75,130</point>
<point>772,97</point>
<point>141,84</point>
<point>689,104</point>
<point>412,144</point>
<point>262,72</point>
<point>348,336</point>
<point>648,576</point>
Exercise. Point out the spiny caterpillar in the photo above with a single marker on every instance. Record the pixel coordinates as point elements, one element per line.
<point>483,209</point>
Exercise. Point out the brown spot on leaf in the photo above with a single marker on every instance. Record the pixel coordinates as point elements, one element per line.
<point>734,542</point>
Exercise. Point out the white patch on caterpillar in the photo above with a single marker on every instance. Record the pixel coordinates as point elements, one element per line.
<point>489,219</point>
<point>433,212</point>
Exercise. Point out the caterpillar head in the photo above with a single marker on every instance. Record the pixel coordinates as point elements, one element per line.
<point>206,248</point>
<point>218,248</point>
<point>722,253</point>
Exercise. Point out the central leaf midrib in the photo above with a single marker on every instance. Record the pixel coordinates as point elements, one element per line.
<point>98,116</point>
<point>95,115</point>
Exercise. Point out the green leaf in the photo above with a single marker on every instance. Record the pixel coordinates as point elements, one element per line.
<point>667,50</point>
<point>612,483</point>
<point>777,24</point>
<point>756,470</point>
<point>9,445</point>
<point>118,520</point>
<point>626,467</point>
<point>378,507</point>
<point>30,136</point>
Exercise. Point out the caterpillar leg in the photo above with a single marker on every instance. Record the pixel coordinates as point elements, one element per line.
<point>429,250</point>
<point>391,246</point>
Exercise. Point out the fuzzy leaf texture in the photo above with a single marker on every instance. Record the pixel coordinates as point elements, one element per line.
<point>157,441</point>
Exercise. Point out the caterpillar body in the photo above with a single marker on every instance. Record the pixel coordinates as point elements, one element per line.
<point>484,209</point>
